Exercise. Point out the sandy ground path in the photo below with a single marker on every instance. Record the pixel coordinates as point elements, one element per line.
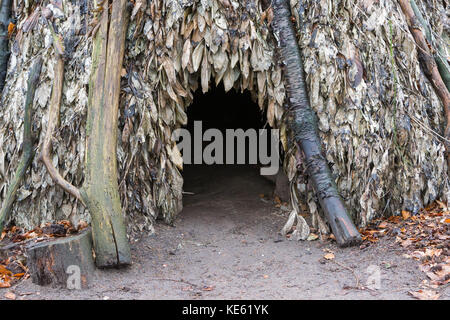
<point>225,245</point>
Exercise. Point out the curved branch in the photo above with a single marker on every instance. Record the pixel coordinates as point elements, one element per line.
<point>303,123</point>
<point>439,56</point>
<point>27,152</point>
<point>429,66</point>
<point>53,120</point>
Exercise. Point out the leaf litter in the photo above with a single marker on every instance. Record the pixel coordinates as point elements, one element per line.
<point>15,240</point>
<point>426,238</point>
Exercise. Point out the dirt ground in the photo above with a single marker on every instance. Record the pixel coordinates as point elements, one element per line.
<point>225,245</point>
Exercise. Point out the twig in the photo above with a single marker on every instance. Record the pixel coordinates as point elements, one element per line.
<point>175,280</point>
<point>358,285</point>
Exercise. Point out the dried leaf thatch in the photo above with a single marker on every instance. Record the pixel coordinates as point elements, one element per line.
<point>378,116</point>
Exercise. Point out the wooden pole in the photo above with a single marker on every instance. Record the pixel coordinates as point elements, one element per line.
<point>302,121</point>
<point>5,16</point>
<point>101,191</point>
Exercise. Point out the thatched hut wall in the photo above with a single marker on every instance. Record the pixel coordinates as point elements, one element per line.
<point>377,114</point>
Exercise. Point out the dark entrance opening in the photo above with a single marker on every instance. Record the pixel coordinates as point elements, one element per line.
<point>219,110</point>
<point>225,110</point>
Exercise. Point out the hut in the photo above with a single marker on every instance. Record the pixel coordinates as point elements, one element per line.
<point>378,117</point>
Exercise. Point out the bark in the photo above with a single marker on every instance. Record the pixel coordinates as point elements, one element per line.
<point>5,16</point>
<point>303,123</point>
<point>100,191</point>
<point>27,145</point>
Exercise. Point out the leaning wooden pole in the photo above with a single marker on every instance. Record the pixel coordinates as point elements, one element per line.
<point>27,145</point>
<point>5,16</point>
<point>100,190</point>
<point>303,124</point>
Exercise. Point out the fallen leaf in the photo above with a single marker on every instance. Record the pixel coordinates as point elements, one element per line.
<point>189,288</point>
<point>406,243</point>
<point>208,288</point>
<point>383,225</point>
<point>82,225</point>
<point>11,28</point>
<point>441,204</point>
<point>10,295</point>
<point>425,294</point>
<point>312,237</point>
<point>329,256</point>
<point>406,214</point>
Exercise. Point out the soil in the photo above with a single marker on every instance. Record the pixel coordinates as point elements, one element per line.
<point>225,244</point>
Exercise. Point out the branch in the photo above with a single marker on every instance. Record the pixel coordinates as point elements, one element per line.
<point>439,56</point>
<point>53,119</point>
<point>429,66</point>
<point>27,152</point>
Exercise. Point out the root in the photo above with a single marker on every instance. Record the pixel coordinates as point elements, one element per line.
<point>53,120</point>
<point>27,146</point>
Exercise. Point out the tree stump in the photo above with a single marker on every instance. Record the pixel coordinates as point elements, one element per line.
<point>64,262</point>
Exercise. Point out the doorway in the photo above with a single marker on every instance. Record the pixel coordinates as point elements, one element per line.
<point>225,180</point>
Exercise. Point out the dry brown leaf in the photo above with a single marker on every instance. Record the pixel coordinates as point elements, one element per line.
<point>425,294</point>
<point>208,288</point>
<point>329,256</point>
<point>10,295</point>
<point>406,214</point>
<point>383,225</point>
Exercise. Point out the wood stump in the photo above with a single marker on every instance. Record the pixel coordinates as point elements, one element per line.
<point>64,262</point>
<point>282,187</point>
